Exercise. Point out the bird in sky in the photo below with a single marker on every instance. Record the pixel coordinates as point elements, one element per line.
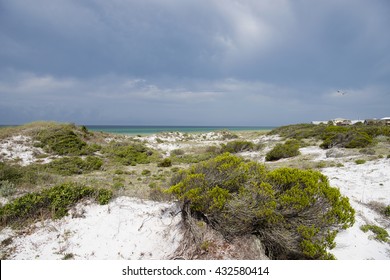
<point>341,92</point>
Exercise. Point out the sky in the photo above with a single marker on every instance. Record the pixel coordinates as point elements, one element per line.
<point>193,62</point>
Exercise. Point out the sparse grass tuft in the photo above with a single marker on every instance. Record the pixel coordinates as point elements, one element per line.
<point>238,146</point>
<point>380,233</point>
<point>75,165</point>
<point>128,153</point>
<point>386,211</point>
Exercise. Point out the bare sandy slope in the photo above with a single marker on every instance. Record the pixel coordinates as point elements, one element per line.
<point>126,228</point>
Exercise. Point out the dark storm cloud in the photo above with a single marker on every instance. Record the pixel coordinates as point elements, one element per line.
<point>193,62</point>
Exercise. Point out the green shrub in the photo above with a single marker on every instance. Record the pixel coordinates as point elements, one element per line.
<point>380,233</point>
<point>177,152</point>
<point>286,150</point>
<point>227,135</point>
<point>128,154</point>
<point>358,140</point>
<point>356,136</point>
<point>146,172</point>
<point>68,256</point>
<point>119,172</point>
<point>75,165</point>
<point>55,201</point>
<point>192,158</point>
<point>7,188</point>
<point>166,162</point>
<point>175,169</point>
<point>386,211</point>
<point>238,146</point>
<point>299,131</point>
<point>345,137</point>
<point>119,183</point>
<point>61,140</point>
<point>103,196</point>
<point>25,176</point>
<point>360,161</point>
<point>295,212</point>
<point>10,173</point>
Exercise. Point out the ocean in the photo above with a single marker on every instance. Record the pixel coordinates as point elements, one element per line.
<point>147,130</point>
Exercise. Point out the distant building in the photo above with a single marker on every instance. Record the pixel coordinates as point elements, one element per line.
<point>341,122</point>
<point>357,121</point>
<point>386,120</point>
<point>371,121</point>
<point>319,122</point>
<point>346,122</point>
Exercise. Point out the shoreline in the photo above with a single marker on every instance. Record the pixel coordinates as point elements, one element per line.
<point>150,130</point>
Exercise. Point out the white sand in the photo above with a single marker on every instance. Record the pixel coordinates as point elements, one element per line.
<point>21,148</point>
<point>126,228</point>
<point>363,183</point>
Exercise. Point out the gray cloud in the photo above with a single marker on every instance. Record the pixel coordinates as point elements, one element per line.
<point>193,62</point>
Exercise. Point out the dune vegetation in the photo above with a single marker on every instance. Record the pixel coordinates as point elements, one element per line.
<point>264,185</point>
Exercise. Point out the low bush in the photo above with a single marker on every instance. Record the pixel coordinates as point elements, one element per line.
<point>380,233</point>
<point>55,201</point>
<point>128,154</point>
<point>295,212</point>
<point>10,173</point>
<point>227,135</point>
<point>146,172</point>
<point>61,140</point>
<point>25,176</point>
<point>238,146</point>
<point>356,136</point>
<point>360,161</point>
<point>74,165</point>
<point>7,188</point>
<point>299,131</point>
<point>286,150</point>
<point>166,162</point>
<point>386,211</point>
<point>177,152</point>
<point>345,138</point>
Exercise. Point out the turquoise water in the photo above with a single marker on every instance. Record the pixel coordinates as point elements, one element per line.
<point>142,130</point>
